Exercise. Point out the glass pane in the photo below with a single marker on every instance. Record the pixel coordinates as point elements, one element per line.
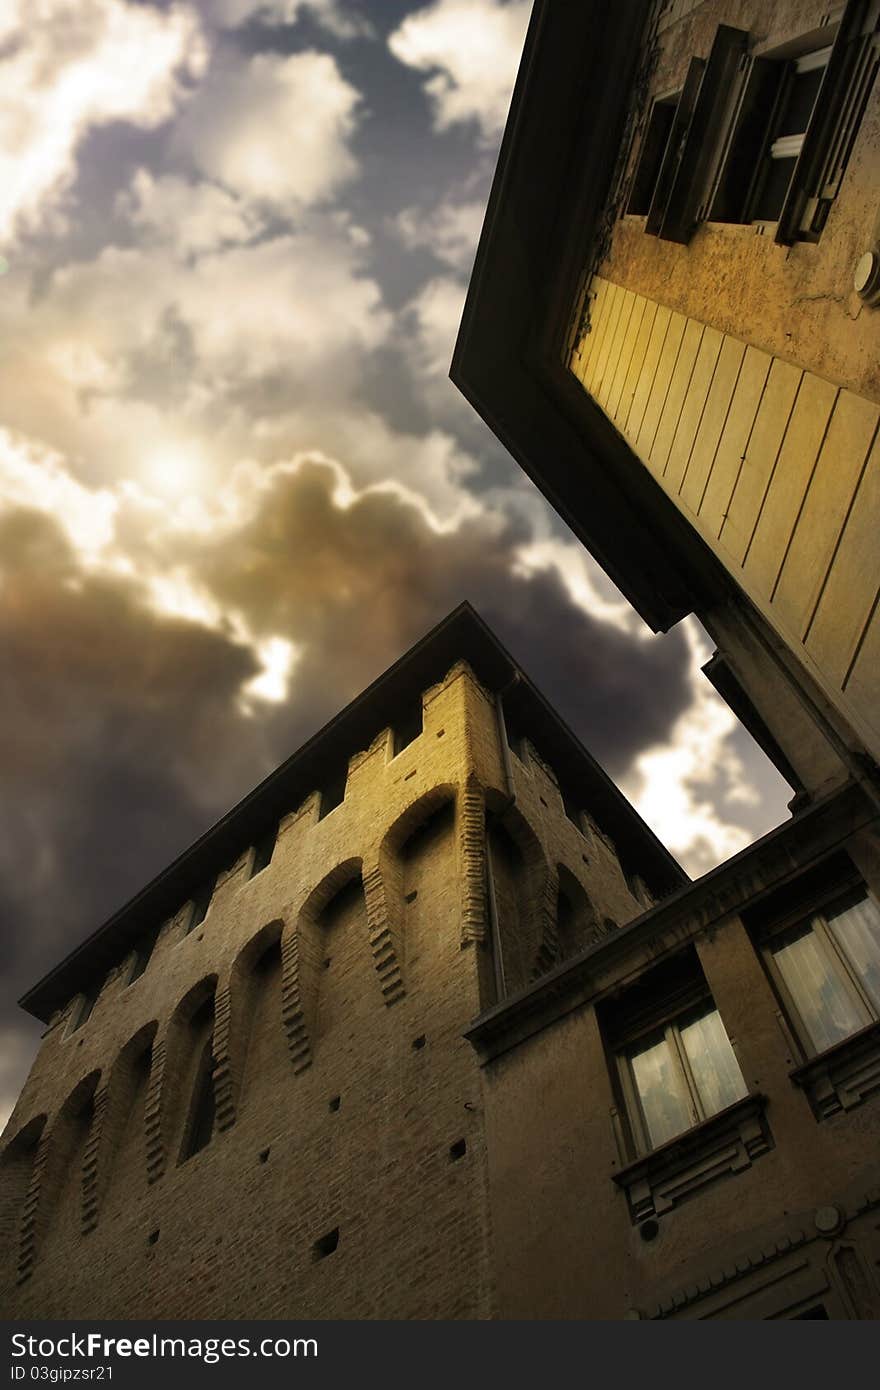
<point>715,1069</point>
<point>857,930</point>
<point>828,1010</point>
<point>661,1090</point>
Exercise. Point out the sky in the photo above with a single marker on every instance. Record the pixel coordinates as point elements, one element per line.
<point>235,480</point>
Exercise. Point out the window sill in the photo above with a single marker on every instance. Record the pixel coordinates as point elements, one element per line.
<point>726,1143</point>
<point>843,1076</point>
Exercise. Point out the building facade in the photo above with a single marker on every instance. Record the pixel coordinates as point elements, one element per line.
<point>673,326</point>
<point>432,1026</point>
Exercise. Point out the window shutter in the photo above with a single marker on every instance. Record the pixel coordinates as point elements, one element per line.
<point>702,138</point>
<point>831,132</point>
<point>680,125</point>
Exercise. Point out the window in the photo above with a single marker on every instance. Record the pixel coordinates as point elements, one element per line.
<point>679,1075</point>
<point>142,953</point>
<point>684,1116</point>
<point>767,138</point>
<point>827,970</point>
<point>407,729</point>
<point>263,851</point>
<point>760,137</point>
<point>200,904</point>
<point>332,794</point>
<point>674,1059</point>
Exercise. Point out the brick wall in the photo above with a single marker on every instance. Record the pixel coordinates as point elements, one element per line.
<point>346,1175</point>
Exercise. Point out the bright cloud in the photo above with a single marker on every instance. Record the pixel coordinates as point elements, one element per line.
<point>470,50</point>
<point>37,478</point>
<point>450,232</point>
<point>436,315</point>
<point>275,129</point>
<point>677,786</point>
<point>193,217</point>
<point>581,579</point>
<point>68,68</point>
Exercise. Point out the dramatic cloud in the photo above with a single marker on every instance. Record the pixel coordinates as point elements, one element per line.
<point>65,69</point>
<point>235,481</point>
<point>450,232</point>
<point>275,130</point>
<point>470,50</point>
<point>177,384</point>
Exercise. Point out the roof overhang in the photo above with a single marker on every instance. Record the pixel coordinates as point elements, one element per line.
<point>543,222</point>
<point>462,636</point>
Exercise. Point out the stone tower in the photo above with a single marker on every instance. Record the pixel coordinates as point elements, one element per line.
<point>254,1096</point>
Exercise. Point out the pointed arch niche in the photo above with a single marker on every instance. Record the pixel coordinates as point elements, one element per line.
<point>255,1055</point>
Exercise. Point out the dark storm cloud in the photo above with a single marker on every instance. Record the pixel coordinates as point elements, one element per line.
<point>123,735</point>
<point>377,572</point>
<point>110,721</point>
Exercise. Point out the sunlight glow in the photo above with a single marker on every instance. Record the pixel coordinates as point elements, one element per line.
<point>174,471</point>
<point>277,656</point>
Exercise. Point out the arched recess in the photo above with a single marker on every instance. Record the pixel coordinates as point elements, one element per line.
<point>246,1040</point>
<point>54,1200</point>
<point>117,1150</point>
<point>178,1059</point>
<point>577,925</point>
<point>301,958</point>
<point>16,1170</point>
<point>524,890</point>
<point>385,887</point>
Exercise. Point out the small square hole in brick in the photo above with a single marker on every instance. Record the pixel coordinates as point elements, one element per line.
<point>264,1155</point>
<point>326,1245</point>
<point>411,897</point>
<point>457,1150</point>
<point>419,1042</point>
<point>335,1102</point>
<point>153,1237</point>
<point>327,962</point>
<point>440,733</point>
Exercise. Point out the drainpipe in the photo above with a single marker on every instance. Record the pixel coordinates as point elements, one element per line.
<point>502,738</point>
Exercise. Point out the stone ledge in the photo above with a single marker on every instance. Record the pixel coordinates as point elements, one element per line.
<point>843,1076</point>
<point>726,1143</point>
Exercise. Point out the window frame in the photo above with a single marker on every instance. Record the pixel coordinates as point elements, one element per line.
<point>832,952</point>
<point>679,1017</point>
